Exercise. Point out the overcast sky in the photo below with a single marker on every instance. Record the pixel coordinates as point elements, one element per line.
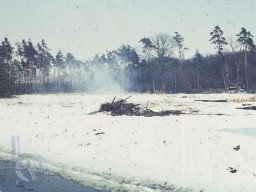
<point>87,27</point>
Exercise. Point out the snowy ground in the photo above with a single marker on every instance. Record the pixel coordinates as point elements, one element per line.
<point>188,152</point>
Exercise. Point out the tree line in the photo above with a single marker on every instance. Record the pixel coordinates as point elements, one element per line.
<point>28,68</point>
<point>159,66</point>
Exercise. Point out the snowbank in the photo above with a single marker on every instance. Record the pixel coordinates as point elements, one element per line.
<point>187,153</point>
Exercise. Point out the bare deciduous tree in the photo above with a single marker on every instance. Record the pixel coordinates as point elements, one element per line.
<point>234,46</point>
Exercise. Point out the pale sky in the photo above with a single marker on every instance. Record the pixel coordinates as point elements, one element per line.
<point>87,27</point>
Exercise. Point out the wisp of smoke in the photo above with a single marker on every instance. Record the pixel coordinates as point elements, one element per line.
<point>102,80</point>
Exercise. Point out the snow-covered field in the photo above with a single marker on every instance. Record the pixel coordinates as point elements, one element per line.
<point>189,152</point>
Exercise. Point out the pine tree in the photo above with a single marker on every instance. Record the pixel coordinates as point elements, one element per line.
<point>181,49</point>
<point>29,63</point>
<point>60,65</point>
<point>45,61</point>
<point>219,41</point>
<point>198,64</point>
<point>7,81</point>
<point>245,38</point>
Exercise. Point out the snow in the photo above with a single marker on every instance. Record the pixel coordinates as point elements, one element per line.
<point>189,152</point>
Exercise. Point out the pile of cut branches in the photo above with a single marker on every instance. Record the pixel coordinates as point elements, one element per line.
<point>121,107</point>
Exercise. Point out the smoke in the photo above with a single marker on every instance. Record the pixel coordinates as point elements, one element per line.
<point>104,80</point>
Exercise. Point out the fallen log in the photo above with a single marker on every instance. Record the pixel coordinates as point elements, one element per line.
<point>247,108</point>
<point>100,133</point>
<point>205,100</point>
<point>234,100</point>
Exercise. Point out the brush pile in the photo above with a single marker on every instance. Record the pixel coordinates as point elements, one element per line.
<point>121,107</point>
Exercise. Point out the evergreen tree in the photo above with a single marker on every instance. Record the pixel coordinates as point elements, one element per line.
<point>245,38</point>
<point>70,60</point>
<point>60,60</point>
<point>219,41</point>
<point>45,60</point>
<point>198,65</point>
<point>7,78</point>
<point>127,59</point>
<point>29,63</point>
<point>181,49</point>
